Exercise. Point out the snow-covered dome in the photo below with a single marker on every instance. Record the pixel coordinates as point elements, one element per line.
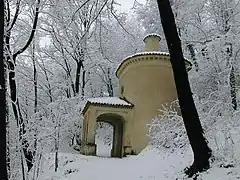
<point>152,47</point>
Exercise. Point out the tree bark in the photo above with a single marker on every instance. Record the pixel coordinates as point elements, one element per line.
<point>34,78</point>
<point>233,88</point>
<point>232,79</point>
<point>109,83</point>
<point>77,80</point>
<point>11,60</point>
<point>3,103</point>
<point>193,56</point>
<point>48,82</point>
<point>199,145</point>
<point>83,82</point>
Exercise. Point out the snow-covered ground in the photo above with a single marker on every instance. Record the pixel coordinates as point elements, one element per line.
<point>151,164</point>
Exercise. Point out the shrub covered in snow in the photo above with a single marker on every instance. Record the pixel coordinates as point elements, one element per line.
<point>220,123</point>
<point>221,126</point>
<point>167,130</point>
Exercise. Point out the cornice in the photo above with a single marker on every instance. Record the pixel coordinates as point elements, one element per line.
<point>146,56</point>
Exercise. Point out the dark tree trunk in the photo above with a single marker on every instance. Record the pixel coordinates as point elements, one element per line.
<point>3,103</point>
<point>12,84</point>
<point>34,78</point>
<point>18,115</point>
<point>48,83</point>
<point>68,72</point>
<point>68,94</point>
<point>233,88</point>
<point>35,83</point>
<point>199,145</point>
<point>109,83</point>
<point>193,56</point>
<point>232,78</point>
<point>77,80</point>
<point>83,83</point>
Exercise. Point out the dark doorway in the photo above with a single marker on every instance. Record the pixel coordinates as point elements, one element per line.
<point>117,123</point>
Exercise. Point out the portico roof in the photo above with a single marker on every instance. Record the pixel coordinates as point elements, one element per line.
<point>107,101</point>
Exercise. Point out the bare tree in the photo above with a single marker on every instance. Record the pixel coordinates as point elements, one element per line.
<point>199,145</point>
<point>11,61</point>
<point>223,13</point>
<point>71,38</point>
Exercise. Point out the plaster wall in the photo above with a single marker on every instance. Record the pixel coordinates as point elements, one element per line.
<point>147,83</point>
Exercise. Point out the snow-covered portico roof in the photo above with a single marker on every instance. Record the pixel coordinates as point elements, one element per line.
<point>107,101</point>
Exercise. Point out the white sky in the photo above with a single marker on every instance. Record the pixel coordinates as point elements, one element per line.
<point>127,4</point>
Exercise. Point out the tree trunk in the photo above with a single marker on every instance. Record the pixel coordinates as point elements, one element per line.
<point>109,83</point>
<point>22,166</point>
<point>199,145</point>
<point>56,157</point>
<point>68,72</point>
<point>233,88</point>
<point>18,115</point>
<point>35,83</point>
<point>3,103</point>
<point>77,80</point>
<point>232,79</point>
<point>57,137</point>
<point>193,56</point>
<point>12,85</point>
<point>48,82</point>
<point>83,83</point>
<point>34,77</point>
<point>11,60</point>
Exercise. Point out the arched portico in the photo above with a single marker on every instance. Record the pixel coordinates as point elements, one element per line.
<point>118,115</point>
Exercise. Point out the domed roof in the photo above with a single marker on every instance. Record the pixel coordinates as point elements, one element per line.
<point>152,47</point>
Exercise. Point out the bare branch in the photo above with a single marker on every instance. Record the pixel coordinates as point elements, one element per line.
<point>8,13</point>
<point>15,15</point>
<point>32,32</point>
<point>115,16</point>
<point>78,10</point>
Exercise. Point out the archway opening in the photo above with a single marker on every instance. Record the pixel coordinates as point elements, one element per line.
<point>116,122</point>
<point>104,139</point>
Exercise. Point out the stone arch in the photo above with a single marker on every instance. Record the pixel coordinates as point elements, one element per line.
<point>117,122</point>
<point>116,119</point>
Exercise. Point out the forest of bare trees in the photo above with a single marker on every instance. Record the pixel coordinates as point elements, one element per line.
<point>54,54</point>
